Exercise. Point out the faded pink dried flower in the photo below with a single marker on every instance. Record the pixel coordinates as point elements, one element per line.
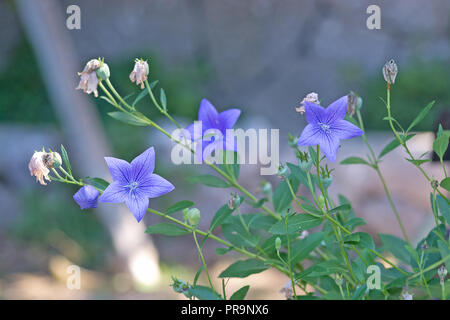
<point>140,72</point>
<point>88,77</point>
<point>310,97</point>
<point>38,168</point>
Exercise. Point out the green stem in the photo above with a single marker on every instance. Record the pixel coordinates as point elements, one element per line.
<point>336,231</point>
<point>204,264</point>
<point>404,145</point>
<point>289,264</point>
<point>377,169</point>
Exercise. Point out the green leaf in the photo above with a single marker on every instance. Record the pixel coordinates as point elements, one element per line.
<point>282,196</point>
<point>163,99</point>
<point>232,168</point>
<point>420,116</point>
<point>220,216</point>
<point>143,93</point>
<point>302,248</point>
<point>444,208</point>
<point>126,118</point>
<point>355,160</point>
<point>354,222</point>
<point>352,238</point>
<point>180,205</point>
<point>240,294</point>
<point>222,251</point>
<point>365,240</point>
<point>244,268</point>
<point>396,246</point>
<point>445,252</point>
<point>302,221</point>
<point>65,159</point>
<point>392,145</point>
<point>418,162</point>
<point>209,180</point>
<point>440,145</point>
<point>107,100</point>
<point>98,183</point>
<point>203,293</point>
<point>445,183</point>
<point>166,229</point>
<point>342,208</point>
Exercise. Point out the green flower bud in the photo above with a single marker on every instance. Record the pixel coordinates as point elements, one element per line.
<point>321,201</point>
<point>282,171</point>
<point>266,187</point>
<point>103,72</point>
<point>192,215</point>
<point>326,182</point>
<point>278,243</point>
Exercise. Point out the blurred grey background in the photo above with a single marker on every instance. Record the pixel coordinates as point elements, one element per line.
<point>262,56</point>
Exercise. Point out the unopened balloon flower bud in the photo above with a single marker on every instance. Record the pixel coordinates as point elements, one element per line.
<point>434,184</point>
<point>88,77</point>
<point>339,280</point>
<point>266,187</point>
<point>234,202</point>
<point>310,97</point>
<point>140,72</point>
<point>390,71</point>
<point>103,71</point>
<point>278,243</point>
<point>442,273</point>
<point>282,171</point>
<point>321,201</point>
<point>52,160</point>
<point>304,161</point>
<point>192,215</point>
<point>326,181</point>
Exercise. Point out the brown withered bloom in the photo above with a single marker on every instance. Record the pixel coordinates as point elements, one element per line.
<point>310,97</point>
<point>390,71</point>
<point>88,77</point>
<point>140,72</point>
<point>352,103</point>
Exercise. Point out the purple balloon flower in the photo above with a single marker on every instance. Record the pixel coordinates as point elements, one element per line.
<point>327,126</point>
<point>87,197</point>
<point>135,183</point>
<point>211,121</point>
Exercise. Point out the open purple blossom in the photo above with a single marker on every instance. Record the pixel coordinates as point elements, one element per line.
<point>326,127</point>
<point>213,128</point>
<point>135,183</point>
<point>87,197</point>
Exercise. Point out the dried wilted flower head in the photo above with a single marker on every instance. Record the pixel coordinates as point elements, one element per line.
<point>352,103</point>
<point>407,296</point>
<point>140,72</point>
<point>310,97</point>
<point>41,163</point>
<point>38,168</point>
<point>390,71</point>
<point>442,273</point>
<point>88,77</point>
<point>287,290</point>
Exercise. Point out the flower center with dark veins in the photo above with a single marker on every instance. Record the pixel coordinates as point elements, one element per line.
<point>325,127</point>
<point>132,186</point>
